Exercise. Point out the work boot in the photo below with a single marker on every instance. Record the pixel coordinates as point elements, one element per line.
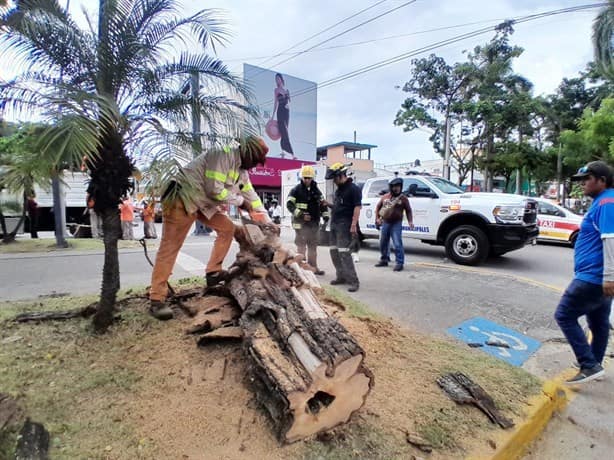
<point>216,278</point>
<point>319,272</point>
<point>397,268</point>
<point>160,310</point>
<point>353,287</point>
<point>337,281</point>
<point>381,263</point>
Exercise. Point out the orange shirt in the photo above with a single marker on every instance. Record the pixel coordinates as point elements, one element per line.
<point>148,213</point>
<point>127,211</point>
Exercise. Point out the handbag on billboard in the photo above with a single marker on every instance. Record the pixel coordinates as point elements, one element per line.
<point>272,130</point>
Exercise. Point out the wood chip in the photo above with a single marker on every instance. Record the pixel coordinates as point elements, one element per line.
<point>223,334</point>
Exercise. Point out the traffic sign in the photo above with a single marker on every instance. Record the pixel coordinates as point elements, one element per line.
<point>499,341</point>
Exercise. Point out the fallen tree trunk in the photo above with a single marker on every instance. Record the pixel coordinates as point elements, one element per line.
<point>306,369</point>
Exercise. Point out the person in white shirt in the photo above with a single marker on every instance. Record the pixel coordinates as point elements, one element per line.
<point>276,214</point>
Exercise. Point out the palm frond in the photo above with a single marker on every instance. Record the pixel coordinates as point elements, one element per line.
<point>603,40</point>
<point>41,34</point>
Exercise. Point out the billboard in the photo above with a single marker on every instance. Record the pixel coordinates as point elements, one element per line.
<point>288,107</point>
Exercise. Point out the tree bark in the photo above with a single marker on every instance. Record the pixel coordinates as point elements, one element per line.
<point>110,272</point>
<point>306,369</point>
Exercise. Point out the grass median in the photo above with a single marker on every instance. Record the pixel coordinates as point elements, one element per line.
<point>146,391</point>
<point>74,244</point>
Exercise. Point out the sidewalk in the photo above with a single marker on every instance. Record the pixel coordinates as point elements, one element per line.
<point>585,429</point>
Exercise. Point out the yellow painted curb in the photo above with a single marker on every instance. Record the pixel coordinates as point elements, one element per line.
<point>512,445</point>
<point>480,271</point>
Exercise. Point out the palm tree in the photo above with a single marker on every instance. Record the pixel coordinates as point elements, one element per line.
<point>603,40</point>
<point>114,92</point>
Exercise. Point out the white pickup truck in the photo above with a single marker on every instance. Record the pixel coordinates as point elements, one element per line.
<point>470,225</point>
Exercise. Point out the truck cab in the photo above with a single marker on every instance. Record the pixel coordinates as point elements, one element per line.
<point>471,226</point>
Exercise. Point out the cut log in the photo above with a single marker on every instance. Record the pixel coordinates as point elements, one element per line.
<point>306,369</point>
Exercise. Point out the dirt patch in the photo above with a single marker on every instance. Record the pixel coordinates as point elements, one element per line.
<point>147,391</point>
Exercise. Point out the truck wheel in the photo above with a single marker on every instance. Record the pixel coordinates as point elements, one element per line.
<point>467,245</point>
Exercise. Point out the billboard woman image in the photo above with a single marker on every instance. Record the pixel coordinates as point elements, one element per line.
<point>282,110</point>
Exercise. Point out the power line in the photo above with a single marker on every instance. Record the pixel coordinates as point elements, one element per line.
<point>385,13</point>
<point>373,40</point>
<point>449,41</point>
<point>268,58</point>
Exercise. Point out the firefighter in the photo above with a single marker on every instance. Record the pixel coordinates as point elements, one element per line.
<point>306,204</point>
<point>202,191</point>
<point>344,225</point>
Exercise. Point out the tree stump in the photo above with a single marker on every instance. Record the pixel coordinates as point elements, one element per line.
<point>306,369</point>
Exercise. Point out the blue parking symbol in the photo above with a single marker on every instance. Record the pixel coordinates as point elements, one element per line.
<point>516,349</point>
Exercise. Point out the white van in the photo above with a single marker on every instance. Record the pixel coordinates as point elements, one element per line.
<point>470,225</point>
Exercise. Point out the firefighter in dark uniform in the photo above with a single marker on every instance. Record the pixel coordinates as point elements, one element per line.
<point>344,225</point>
<point>306,203</point>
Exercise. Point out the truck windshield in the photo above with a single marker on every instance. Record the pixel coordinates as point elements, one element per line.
<point>446,186</point>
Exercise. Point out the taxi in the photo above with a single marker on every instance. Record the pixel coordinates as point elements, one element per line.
<point>556,223</point>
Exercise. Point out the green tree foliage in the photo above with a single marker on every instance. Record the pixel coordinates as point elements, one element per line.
<point>112,93</point>
<point>22,167</point>
<point>436,92</point>
<point>594,140</point>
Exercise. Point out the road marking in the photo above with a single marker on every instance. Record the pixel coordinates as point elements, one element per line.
<point>190,264</point>
<point>516,349</point>
<point>480,271</point>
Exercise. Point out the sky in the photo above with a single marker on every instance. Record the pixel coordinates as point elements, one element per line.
<point>555,48</point>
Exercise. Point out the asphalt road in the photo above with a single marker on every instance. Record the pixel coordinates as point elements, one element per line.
<point>30,275</point>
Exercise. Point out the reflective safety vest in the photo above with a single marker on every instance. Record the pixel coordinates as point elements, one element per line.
<point>217,179</point>
<point>302,201</point>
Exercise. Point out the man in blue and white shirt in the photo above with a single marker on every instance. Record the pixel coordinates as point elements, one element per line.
<point>590,293</point>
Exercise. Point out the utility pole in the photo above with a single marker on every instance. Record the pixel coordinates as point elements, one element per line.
<point>446,161</point>
<point>559,172</point>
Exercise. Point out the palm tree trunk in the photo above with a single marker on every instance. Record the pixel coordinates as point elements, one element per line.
<point>111,227</point>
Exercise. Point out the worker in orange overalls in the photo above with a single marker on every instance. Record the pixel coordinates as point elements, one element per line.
<point>202,189</point>
<point>126,209</point>
<point>149,228</point>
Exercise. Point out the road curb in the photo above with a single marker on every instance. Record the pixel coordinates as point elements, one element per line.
<point>479,271</point>
<point>513,445</point>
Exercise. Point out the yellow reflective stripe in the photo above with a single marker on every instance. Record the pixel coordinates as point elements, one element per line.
<point>296,226</point>
<point>215,175</point>
<point>291,198</point>
<point>222,195</point>
<point>301,205</point>
<point>257,203</point>
<point>234,175</point>
<point>247,187</point>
